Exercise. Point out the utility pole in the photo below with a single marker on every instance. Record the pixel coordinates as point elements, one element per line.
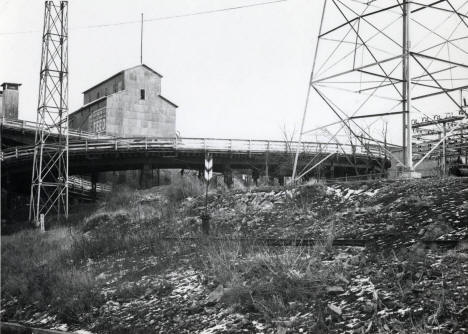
<point>406,101</point>
<point>141,40</point>
<point>49,186</point>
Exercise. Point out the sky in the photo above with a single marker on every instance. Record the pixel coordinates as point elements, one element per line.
<point>234,74</point>
<point>242,73</point>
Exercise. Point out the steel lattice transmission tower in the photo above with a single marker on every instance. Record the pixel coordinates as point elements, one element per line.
<point>387,61</point>
<point>49,186</point>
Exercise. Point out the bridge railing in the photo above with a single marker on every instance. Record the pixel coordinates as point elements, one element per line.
<point>80,184</point>
<point>243,146</point>
<point>32,126</point>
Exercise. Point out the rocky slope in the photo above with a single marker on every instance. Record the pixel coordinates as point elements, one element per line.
<point>396,284</point>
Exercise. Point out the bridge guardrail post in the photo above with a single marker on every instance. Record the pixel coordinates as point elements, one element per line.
<point>204,143</point>
<point>115,147</point>
<point>146,144</point>
<point>86,144</point>
<point>16,152</point>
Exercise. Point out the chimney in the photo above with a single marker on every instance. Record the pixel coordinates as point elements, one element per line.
<point>9,100</point>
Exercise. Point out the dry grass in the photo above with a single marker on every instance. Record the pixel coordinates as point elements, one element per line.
<point>269,280</point>
<point>36,270</point>
<point>183,187</point>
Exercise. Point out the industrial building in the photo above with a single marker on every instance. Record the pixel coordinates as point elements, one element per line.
<point>9,100</point>
<point>128,104</point>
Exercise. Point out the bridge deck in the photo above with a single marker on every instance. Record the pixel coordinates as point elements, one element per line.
<point>91,152</point>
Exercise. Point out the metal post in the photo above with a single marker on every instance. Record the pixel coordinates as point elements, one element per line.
<point>407,131</point>
<point>444,153</point>
<point>296,158</point>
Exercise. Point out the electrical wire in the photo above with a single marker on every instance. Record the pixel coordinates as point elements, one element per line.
<point>161,18</point>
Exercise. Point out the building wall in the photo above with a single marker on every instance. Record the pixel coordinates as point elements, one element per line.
<point>130,116</point>
<point>90,119</point>
<point>113,85</point>
<point>1,103</point>
<point>10,100</point>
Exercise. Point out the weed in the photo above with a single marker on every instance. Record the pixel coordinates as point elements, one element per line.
<point>268,280</point>
<point>35,271</point>
<point>181,188</point>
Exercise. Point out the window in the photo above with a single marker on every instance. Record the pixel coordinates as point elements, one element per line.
<point>142,94</point>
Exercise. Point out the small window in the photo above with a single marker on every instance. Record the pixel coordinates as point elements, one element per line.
<point>142,94</point>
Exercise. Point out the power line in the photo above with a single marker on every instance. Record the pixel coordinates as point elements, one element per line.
<point>161,18</point>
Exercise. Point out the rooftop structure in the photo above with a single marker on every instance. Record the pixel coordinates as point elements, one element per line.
<point>127,104</point>
<point>9,100</point>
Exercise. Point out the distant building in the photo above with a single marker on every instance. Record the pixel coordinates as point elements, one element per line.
<point>9,100</point>
<point>128,104</point>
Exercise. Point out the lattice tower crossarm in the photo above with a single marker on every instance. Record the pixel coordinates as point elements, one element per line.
<point>49,185</point>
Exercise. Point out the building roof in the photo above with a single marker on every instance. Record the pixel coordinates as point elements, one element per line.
<point>10,83</point>
<point>89,104</point>
<point>162,97</point>
<point>118,73</point>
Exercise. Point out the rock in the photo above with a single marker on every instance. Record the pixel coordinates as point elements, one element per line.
<point>281,330</point>
<point>436,230</point>
<point>335,309</point>
<point>217,294</point>
<point>334,289</point>
<point>266,205</point>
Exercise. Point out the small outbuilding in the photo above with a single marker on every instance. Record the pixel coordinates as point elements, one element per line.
<point>9,100</point>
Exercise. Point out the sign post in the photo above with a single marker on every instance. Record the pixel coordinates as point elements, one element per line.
<point>208,175</point>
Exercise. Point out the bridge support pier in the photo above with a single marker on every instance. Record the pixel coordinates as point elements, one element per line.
<point>94,180</point>
<point>146,176</point>
<point>255,176</point>
<point>228,175</point>
<point>281,180</point>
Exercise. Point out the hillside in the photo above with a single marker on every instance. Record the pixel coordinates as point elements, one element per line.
<point>139,263</point>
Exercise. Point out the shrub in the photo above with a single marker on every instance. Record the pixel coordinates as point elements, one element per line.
<point>184,187</point>
<point>120,197</point>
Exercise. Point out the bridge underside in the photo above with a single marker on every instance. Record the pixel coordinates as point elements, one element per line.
<point>18,171</point>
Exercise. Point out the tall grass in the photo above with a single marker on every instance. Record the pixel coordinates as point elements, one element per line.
<point>36,270</point>
<point>269,280</point>
<point>183,187</point>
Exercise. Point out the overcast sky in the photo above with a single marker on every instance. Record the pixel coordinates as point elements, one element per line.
<point>239,73</point>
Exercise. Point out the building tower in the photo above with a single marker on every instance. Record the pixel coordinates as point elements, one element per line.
<point>386,62</point>
<point>49,186</point>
